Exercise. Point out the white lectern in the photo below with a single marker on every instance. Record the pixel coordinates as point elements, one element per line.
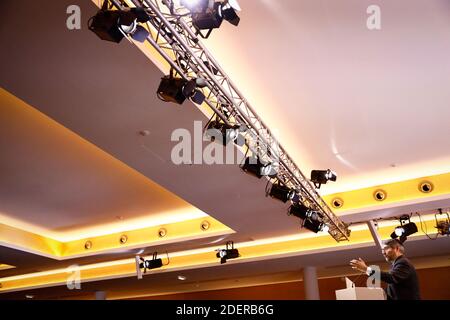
<point>359,293</point>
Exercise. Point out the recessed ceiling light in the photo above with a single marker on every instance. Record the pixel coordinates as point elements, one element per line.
<point>29,296</point>
<point>182,278</point>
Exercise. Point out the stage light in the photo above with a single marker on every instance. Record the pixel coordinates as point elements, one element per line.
<point>177,90</point>
<point>281,192</point>
<point>228,253</point>
<point>208,15</point>
<point>443,226</point>
<point>311,220</point>
<point>299,210</point>
<point>154,263</point>
<point>226,133</point>
<point>405,229</point>
<point>313,225</point>
<point>259,169</point>
<point>211,18</point>
<point>319,177</point>
<point>229,9</point>
<point>114,25</point>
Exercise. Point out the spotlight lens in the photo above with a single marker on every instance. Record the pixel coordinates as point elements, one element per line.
<point>232,134</point>
<point>129,29</point>
<point>399,232</point>
<point>268,170</point>
<point>140,34</point>
<point>291,195</point>
<point>222,253</point>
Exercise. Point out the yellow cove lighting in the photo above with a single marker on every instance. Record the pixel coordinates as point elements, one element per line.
<point>270,248</point>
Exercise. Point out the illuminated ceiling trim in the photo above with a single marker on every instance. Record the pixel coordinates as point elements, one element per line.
<point>151,236</point>
<point>5,266</point>
<point>394,193</point>
<point>206,257</point>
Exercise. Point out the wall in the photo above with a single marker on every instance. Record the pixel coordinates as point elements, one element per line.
<point>434,284</point>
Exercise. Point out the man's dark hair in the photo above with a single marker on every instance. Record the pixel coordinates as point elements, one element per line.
<point>395,243</point>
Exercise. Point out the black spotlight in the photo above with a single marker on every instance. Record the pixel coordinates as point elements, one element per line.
<point>258,169</point>
<point>303,212</point>
<point>319,177</point>
<point>405,229</point>
<point>229,9</point>
<point>141,263</point>
<point>443,226</point>
<point>298,210</point>
<point>281,192</point>
<point>208,14</point>
<point>225,133</point>
<point>228,253</point>
<point>177,90</point>
<point>113,25</point>
<point>153,263</point>
<point>311,220</point>
<point>211,18</point>
<point>313,225</point>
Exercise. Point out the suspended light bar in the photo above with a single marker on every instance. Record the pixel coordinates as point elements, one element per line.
<point>175,33</point>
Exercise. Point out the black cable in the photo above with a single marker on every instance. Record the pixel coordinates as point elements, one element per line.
<point>209,121</point>
<point>268,190</point>
<point>426,232</point>
<point>168,259</point>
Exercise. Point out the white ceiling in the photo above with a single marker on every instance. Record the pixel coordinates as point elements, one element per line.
<point>370,104</point>
<point>57,184</point>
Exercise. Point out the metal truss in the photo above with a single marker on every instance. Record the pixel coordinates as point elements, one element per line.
<point>175,38</point>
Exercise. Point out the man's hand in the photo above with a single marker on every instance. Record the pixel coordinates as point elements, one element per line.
<point>359,264</point>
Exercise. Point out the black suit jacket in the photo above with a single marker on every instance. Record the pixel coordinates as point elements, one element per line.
<point>402,281</point>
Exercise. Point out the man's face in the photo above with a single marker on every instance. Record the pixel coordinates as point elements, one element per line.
<point>389,253</point>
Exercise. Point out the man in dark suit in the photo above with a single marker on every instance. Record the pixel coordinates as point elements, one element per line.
<point>402,280</point>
